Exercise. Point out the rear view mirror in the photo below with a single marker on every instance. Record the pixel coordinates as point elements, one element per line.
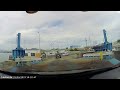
<point>31,12</point>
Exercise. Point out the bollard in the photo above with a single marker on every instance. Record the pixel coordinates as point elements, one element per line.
<point>101,55</point>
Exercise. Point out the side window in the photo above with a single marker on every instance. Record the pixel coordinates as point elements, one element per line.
<point>32,54</point>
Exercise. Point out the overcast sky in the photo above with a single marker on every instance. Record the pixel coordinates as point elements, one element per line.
<point>57,28</point>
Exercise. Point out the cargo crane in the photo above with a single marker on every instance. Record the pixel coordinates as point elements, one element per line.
<point>18,52</point>
<point>105,46</point>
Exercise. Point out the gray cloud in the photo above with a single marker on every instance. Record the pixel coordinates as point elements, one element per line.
<point>58,27</point>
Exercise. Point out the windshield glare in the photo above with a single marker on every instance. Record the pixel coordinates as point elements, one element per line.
<point>56,41</point>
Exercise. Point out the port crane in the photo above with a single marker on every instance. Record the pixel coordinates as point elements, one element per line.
<point>105,46</point>
<point>19,52</point>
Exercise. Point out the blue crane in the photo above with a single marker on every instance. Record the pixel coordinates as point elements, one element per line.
<point>18,52</point>
<point>107,46</point>
<point>105,37</point>
<point>105,41</point>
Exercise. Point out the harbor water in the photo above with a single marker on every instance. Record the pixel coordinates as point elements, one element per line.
<point>4,56</point>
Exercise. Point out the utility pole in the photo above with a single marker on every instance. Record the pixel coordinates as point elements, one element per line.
<point>39,41</point>
<point>86,41</point>
<point>89,41</point>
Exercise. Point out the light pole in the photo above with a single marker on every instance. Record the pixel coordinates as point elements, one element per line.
<point>39,41</point>
<point>86,42</point>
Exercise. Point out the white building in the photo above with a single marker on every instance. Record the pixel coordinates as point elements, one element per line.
<point>31,52</point>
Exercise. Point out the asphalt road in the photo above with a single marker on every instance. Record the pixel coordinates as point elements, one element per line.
<point>113,74</point>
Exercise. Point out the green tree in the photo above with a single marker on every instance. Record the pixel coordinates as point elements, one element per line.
<point>66,47</point>
<point>71,49</point>
<point>75,49</point>
<point>118,41</point>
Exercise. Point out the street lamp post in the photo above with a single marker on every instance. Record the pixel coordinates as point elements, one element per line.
<point>39,41</point>
<point>86,42</point>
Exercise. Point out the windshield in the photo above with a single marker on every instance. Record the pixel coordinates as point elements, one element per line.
<point>56,41</point>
